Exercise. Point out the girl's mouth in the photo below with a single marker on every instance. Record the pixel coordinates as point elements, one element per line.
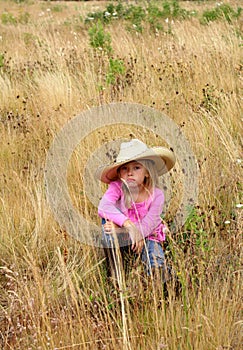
<point>132,183</point>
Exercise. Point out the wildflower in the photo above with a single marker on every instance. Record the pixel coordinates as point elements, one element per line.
<point>239,205</point>
<point>238,161</point>
<point>107,14</point>
<point>227,222</point>
<point>167,20</point>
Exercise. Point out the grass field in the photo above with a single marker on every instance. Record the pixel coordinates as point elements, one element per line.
<point>57,61</point>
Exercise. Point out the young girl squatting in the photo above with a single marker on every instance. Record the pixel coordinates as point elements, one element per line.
<point>132,205</point>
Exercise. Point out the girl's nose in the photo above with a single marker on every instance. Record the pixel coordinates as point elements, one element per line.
<point>129,171</point>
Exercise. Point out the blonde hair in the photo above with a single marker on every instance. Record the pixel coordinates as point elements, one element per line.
<point>150,182</point>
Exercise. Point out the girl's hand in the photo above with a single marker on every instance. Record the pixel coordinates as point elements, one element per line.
<point>110,227</point>
<point>135,235</point>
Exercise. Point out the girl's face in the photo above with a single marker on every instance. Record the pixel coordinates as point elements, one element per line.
<point>133,173</point>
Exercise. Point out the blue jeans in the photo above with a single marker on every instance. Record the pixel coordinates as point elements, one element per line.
<point>152,255</point>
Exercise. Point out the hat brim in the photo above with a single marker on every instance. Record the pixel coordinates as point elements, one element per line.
<point>163,159</point>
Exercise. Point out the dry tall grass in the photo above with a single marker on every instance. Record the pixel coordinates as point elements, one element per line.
<point>54,293</point>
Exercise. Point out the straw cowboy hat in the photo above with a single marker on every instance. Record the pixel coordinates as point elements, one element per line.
<point>163,159</point>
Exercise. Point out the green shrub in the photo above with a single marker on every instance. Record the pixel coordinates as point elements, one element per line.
<point>19,1</point>
<point>116,69</point>
<point>137,16</point>
<point>98,39</point>
<point>24,18</point>
<point>1,60</point>
<point>154,17</point>
<point>110,13</point>
<point>29,39</point>
<point>193,234</point>
<point>57,8</point>
<point>220,12</point>
<point>8,18</point>
<point>211,98</point>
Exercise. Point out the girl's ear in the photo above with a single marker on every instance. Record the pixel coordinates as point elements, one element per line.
<point>146,177</point>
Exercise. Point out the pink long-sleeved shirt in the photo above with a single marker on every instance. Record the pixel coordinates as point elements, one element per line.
<point>145,215</point>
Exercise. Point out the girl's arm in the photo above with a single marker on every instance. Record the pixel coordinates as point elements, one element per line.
<point>152,219</point>
<point>107,208</point>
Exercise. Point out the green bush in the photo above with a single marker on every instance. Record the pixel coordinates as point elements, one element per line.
<point>137,16</point>
<point>19,1</point>
<point>220,12</point>
<point>8,18</point>
<point>57,8</point>
<point>1,60</point>
<point>24,18</point>
<point>116,69</point>
<point>98,39</point>
<point>154,17</point>
<point>155,12</point>
<point>193,233</point>
<point>29,39</point>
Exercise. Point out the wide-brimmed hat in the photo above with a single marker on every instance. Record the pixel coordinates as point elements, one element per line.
<point>163,159</point>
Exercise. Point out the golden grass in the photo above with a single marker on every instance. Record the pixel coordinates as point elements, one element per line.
<point>54,292</point>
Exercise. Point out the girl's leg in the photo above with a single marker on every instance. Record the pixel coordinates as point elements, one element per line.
<point>128,258</point>
<point>155,265</point>
<point>117,258</point>
<point>111,261</point>
<point>110,251</point>
<point>154,260</point>
<point>117,251</point>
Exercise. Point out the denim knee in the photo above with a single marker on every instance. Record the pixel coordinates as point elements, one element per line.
<point>152,256</point>
<point>109,240</point>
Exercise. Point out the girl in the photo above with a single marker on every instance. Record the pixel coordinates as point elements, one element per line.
<point>131,207</point>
